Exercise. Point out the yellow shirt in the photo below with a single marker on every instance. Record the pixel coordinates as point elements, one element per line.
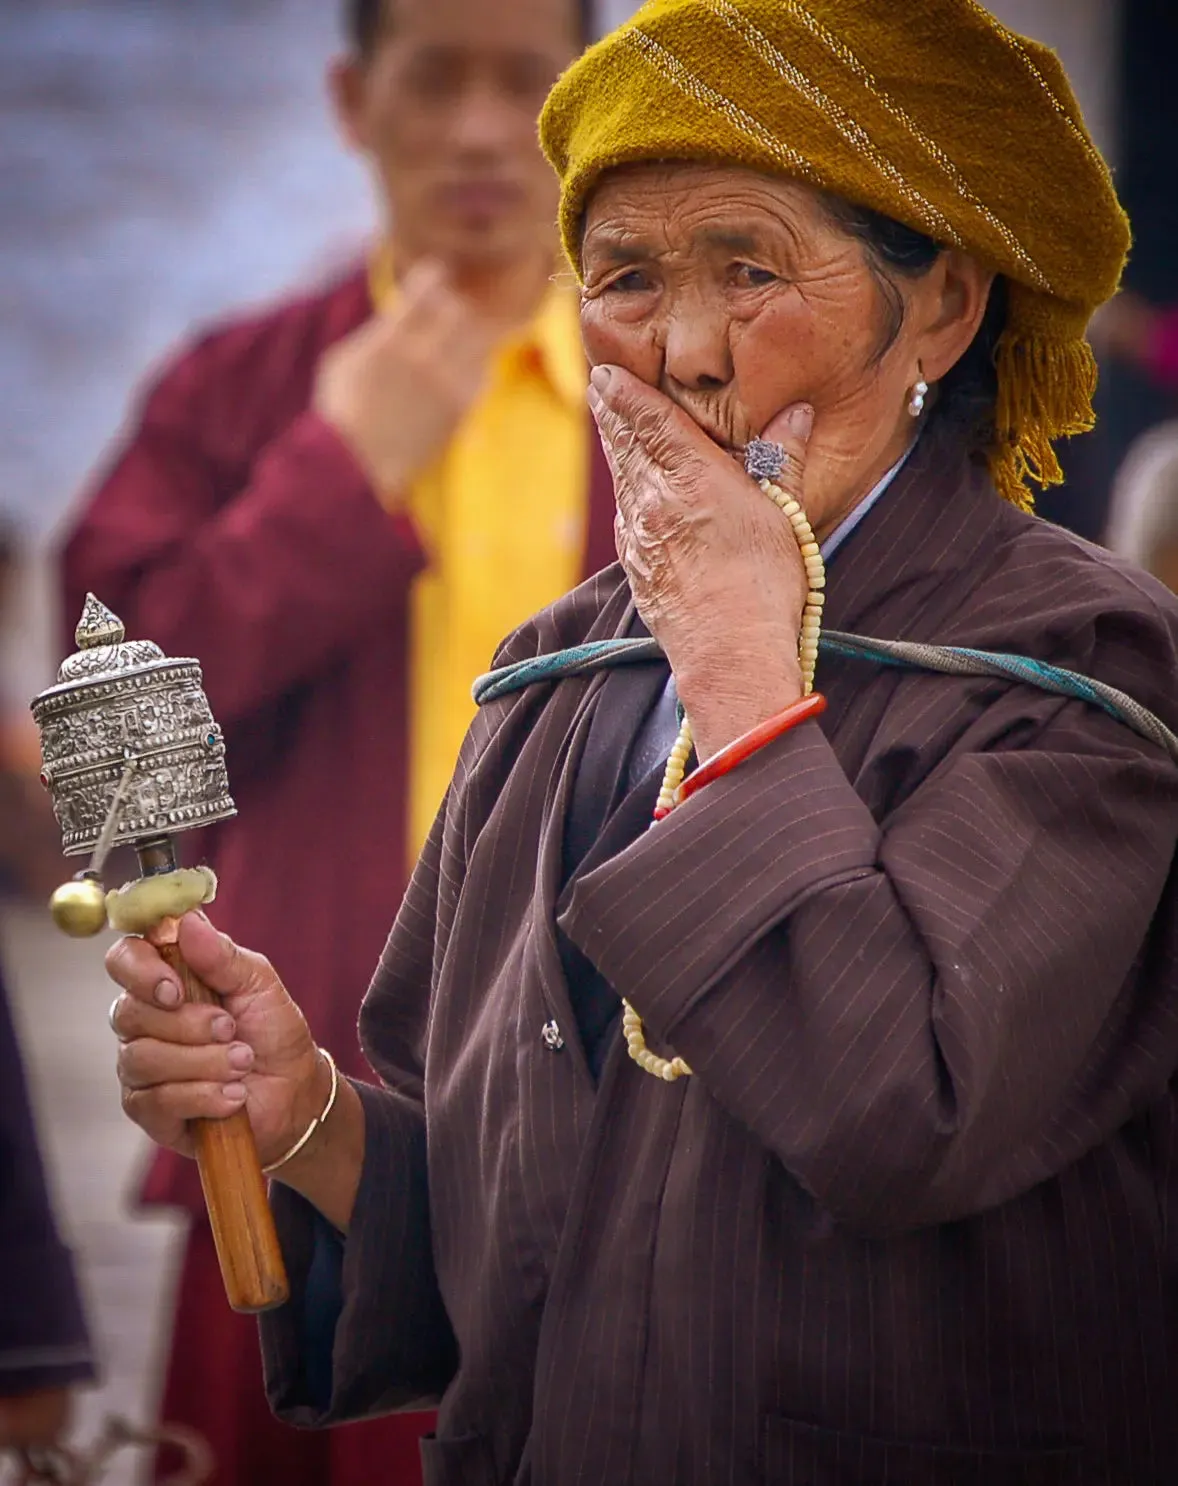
<point>503,516</point>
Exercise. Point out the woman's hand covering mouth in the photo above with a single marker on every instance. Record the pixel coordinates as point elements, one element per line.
<point>713,565</point>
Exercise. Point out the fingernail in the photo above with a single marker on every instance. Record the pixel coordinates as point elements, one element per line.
<point>167,993</point>
<point>223,1028</point>
<point>600,377</point>
<point>241,1057</point>
<point>234,1092</point>
<point>594,399</point>
<point>801,420</point>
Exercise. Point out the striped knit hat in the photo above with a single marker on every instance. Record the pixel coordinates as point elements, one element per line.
<point>934,114</point>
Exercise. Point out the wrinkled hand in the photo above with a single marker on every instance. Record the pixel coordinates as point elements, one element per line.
<point>713,564</point>
<point>179,1062</point>
<point>31,1421</point>
<point>396,389</point>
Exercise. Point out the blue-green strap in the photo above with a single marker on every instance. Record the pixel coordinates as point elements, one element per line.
<point>950,660</point>
<point>578,660</point>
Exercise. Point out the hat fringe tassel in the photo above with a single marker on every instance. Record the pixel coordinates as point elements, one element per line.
<point>1045,390</point>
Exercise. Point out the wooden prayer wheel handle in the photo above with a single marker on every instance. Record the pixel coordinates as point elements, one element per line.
<point>235,1189</point>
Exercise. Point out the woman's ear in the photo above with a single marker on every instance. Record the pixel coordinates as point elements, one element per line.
<point>345,86</point>
<point>953,298</point>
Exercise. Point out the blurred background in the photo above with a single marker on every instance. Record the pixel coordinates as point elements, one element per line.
<point>160,163</point>
<point>166,160</point>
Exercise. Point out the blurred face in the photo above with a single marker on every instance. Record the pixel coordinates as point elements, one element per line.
<point>447,107</point>
<point>736,295</point>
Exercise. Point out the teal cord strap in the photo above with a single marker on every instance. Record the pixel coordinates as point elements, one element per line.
<point>949,660</point>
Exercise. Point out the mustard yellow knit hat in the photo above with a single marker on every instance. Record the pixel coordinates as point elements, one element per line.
<point>932,113</point>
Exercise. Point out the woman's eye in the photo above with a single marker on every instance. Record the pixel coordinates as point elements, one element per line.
<point>631,282</point>
<point>749,277</point>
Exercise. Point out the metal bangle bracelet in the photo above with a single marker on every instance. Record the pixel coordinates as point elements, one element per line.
<point>315,1123</point>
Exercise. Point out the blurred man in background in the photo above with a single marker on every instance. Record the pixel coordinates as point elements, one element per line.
<point>44,1348</point>
<point>340,507</point>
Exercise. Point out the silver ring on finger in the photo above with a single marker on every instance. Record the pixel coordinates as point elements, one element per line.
<point>110,1015</point>
<point>765,460</point>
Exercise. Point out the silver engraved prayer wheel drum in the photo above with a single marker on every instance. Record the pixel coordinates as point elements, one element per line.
<point>119,703</point>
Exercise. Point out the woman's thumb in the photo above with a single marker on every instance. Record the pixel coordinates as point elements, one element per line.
<point>791,430</point>
<point>224,968</point>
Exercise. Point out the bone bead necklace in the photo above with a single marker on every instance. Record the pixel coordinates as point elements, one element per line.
<point>764,461</point>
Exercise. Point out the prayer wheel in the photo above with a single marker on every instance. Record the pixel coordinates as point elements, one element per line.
<point>131,755</point>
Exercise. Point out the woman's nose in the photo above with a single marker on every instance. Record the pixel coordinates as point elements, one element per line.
<point>696,353</point>
<point>485,121</point>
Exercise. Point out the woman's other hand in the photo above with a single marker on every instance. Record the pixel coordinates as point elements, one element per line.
<point>714,566</point>
<point>396,389</point>
<point>178,1062</point>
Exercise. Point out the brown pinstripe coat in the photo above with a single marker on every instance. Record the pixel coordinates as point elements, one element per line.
<point>911,1220</point>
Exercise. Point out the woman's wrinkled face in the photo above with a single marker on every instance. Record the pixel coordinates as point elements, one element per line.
<point>736,295</point>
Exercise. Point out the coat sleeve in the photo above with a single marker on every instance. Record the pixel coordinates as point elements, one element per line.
<point>391,1345</point>
<point>43,1339</point>
<point>924,1016</point>
<point>387,1344</point>
<point>268,587</point>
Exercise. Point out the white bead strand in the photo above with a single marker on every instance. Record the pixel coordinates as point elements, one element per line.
<point>671,1069</point>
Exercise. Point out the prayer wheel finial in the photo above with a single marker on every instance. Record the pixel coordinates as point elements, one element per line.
<point>98,625</point>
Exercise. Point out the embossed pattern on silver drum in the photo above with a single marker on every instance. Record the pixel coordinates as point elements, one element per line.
<point>121,702</point>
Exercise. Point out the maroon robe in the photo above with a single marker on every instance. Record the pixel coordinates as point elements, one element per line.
<point>912,1221</point>
<point>235,526</point>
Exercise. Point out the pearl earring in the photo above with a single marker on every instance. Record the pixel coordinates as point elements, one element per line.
<point>916,402</point>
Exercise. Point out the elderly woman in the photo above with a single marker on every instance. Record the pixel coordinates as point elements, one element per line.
<point>898,1205</point>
